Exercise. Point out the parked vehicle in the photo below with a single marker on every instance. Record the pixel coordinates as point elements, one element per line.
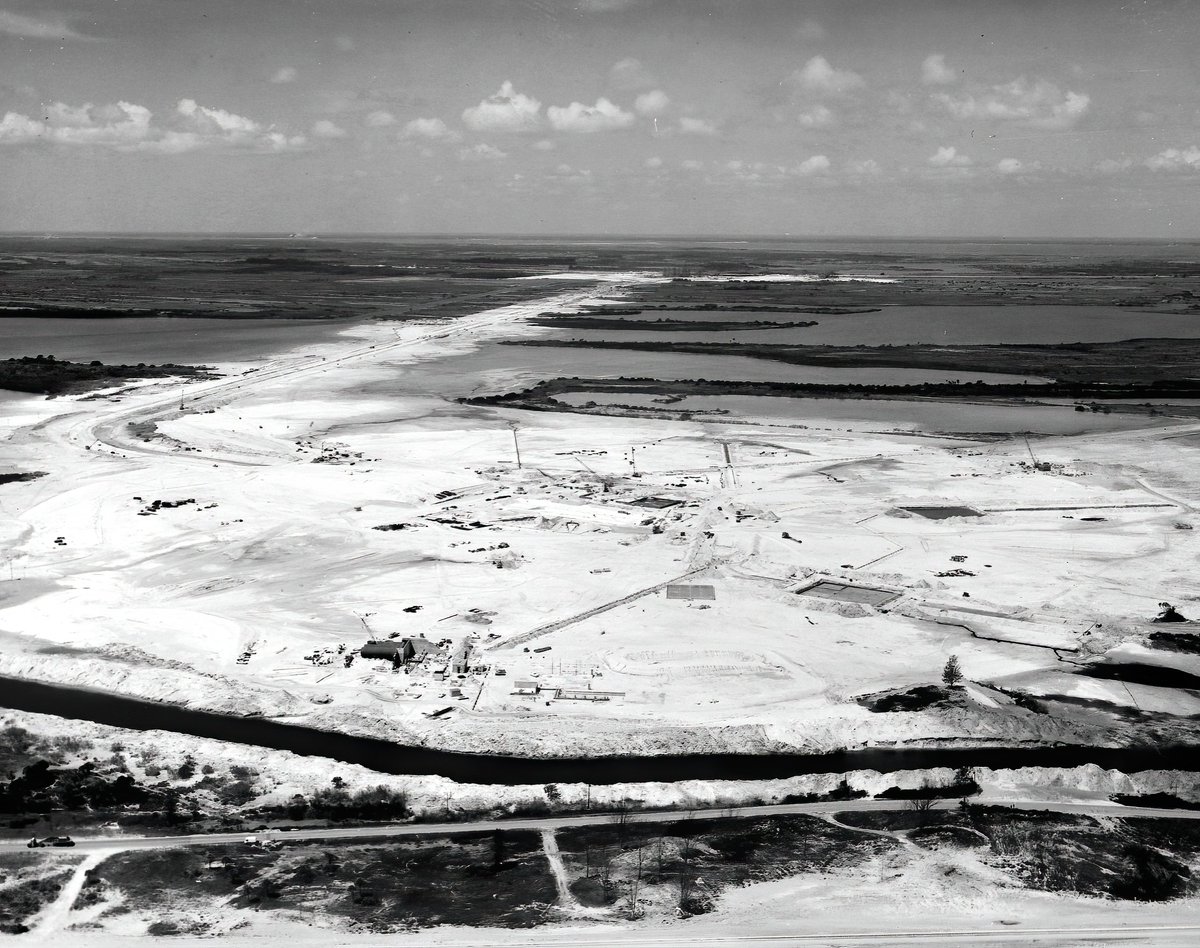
<point>36,843</point>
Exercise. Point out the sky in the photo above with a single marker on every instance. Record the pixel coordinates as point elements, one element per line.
<point>1009,118</point>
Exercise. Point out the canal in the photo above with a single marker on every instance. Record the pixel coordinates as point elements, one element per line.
<point>391,758</point>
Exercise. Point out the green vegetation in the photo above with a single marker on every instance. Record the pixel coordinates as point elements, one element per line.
<point>335,803</point>
<point>1168,800</point>
<point>46,375</point>
<point>17,476</point>
<point>493,879</point>
<point>920,698</point>
<point>1138,859</point>
<point>1102,370</point>
<point>20,747</point>
<point>242,280</point>
<point>1186,642</point>
<point>42,789</point>
<point>696,859</point>
<point>663,325</point>
<point>33,884</point>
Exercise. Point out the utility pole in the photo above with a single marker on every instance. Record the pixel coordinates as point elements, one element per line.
<point>517,446</point>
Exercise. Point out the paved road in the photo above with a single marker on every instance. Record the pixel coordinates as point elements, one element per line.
<point>1161,936</point>
<point>109,429</point>
<point>119,841</point>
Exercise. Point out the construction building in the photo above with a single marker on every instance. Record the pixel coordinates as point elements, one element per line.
<point>407,650</point>
<point>460,664</point>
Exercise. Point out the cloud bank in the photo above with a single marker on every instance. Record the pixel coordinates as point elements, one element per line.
<point>817,75</point>
<point>505,111</point>
<point>129,127</point>
<point>48,26</point>
<point>1039,104</point>
<point>604,116</point>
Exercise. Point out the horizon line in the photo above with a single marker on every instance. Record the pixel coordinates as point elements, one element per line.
<point>468,235</point>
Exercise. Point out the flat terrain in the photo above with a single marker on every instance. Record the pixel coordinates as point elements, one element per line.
<point>234,552</point>
<point>658,566</point>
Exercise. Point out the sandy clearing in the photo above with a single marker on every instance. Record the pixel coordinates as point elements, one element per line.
<point>277,558</point>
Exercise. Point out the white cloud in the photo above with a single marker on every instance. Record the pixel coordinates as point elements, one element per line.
<point>506,111</point>
<point>653,162</point>
<point>1175,159</point>
<point>48,26</point>
<point>948,157</point>
<point>219,127</point>
<point>217,118</point>
<point>629,75</point>
<point>654,102</point>
<point>1016,166</point>
<point>863,166</point>
<point>817,117</point>
<point>16,129</point>
<point>817,75</point>
<point>380,118</point>
<point>126,126</point>
<point>285,74</point>
<point>344,44</point>
<point>481,152</point>
<point>1040,104</point>
<point>565,172</point>
<point>604,116</point>
<point>696,126</point>
<point>323,128</point>
<point>432,129</point>
<point>691,164</point>
<point>935,72</point>
<point>544,144</point>
<point>813,165</point>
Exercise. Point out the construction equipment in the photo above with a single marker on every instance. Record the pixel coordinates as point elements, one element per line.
<point>1037,465</point>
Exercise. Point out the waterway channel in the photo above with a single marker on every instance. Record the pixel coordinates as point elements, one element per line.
<point>387,757</point>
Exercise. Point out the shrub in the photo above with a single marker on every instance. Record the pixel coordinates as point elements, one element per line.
<point>238,793</point>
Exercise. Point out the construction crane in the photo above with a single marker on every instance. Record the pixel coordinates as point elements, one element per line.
<point>606,480</point>
<point>1037,465</point>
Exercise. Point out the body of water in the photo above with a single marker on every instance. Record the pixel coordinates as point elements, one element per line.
<point>493,368</point>
<point>386,757</point>
<point>907,325</point>
<point>915,415</point>
<point>153,339</point>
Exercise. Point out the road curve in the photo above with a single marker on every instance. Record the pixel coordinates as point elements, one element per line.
<point>110,429</point>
